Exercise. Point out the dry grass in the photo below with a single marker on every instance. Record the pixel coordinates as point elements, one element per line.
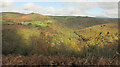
<point>56,60</point>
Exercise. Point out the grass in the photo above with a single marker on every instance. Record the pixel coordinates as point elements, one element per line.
<point>57,60</point>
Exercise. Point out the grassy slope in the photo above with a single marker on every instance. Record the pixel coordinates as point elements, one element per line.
<point>61,29</point>
<point>77,22</point>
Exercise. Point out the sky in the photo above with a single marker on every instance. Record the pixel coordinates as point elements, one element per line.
<point>93,8</point>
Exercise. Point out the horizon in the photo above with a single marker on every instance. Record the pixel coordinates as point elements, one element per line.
<point>92,9</point>
<point>61,16</point>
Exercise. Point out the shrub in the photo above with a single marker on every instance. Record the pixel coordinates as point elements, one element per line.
<point>40,45</point>
<point>108,51</point>
<point>12,43</point>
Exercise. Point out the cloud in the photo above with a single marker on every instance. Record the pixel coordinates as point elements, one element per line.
<point>89,5</point>
<point>6,4</point>
<point>29,5</point>
<point>111,12</point>
<point>110,8</point>
<point>69,9</point>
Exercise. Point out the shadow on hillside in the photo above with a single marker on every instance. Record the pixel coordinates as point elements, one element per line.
<point>12,43</point>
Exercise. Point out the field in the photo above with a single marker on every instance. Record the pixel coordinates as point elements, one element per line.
<point>58,40</point>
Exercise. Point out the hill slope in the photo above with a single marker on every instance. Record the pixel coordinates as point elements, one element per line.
<point>73,32</point>
<point>78,22</point>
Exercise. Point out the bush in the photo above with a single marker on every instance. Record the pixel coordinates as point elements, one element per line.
<point>12,42</point>
<point>40,45</point>
<point>29,25</point>
<point>108,51</point>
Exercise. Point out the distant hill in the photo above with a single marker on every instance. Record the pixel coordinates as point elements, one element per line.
<point>78,22</point>
<point>18,17</point>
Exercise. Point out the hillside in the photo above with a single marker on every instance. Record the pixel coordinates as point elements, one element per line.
<point>61,28</point>
<point>71,36</point>
<point>78,22</point>
<point>18,17</point>
<point>99,34</point>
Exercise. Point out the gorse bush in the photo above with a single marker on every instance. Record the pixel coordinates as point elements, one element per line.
<point>41,45</point>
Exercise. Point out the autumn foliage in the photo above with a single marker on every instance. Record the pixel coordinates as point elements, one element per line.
<point>61,40</point>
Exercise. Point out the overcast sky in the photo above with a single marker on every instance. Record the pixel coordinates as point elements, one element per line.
<point>94,8</point>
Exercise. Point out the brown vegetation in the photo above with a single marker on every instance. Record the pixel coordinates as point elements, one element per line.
<point>56,60</point>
